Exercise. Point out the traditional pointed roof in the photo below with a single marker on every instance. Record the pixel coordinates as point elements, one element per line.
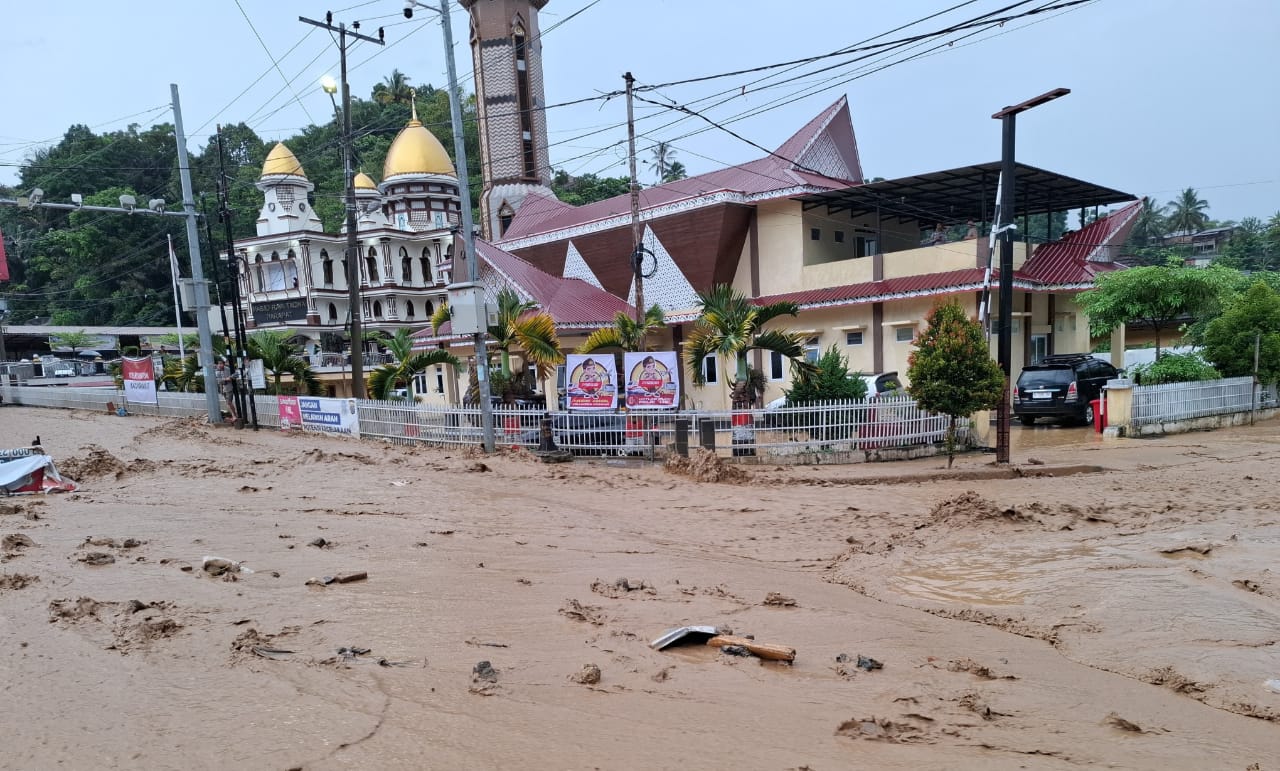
<point>1078,257</point>
<point>827,160</point>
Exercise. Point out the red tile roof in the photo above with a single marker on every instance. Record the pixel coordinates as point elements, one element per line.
<point>1077,257</point>
<point>571,302</point>
<point>755,178</point>
<point>950,282</point>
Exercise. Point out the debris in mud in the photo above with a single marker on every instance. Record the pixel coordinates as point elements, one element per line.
<point>777,600</point>
<point>319,543</point>
<point>1124,725</point>
<point>734,650</point>
<point>1174,680</point>
<point>770,651</point>
<point>218,566</point>
<point>618,588</point>
<point>880,729</point>
<point>474,641</point>
<point>867,663</point>
<point>1202,549</point>
<point>969,506</point>
<point>16,541</point>
<point>704,466</point>
<point>579,612</point>
<point>347,578</point>
<point>97,558</point>
<point>98,463</point>
<point>975,704</point>
<point>662,675</point>
<point>483,672</point>
<point>590,675</point>
<point>17,580</point>
<point>976,669</point>
<point>73,610</point>
<point>275,654</point>
<point>478,467</point>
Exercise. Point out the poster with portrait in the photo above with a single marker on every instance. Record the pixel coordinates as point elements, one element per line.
<point>139,376</point>
<point>653,382</point>
<point>592,382</point>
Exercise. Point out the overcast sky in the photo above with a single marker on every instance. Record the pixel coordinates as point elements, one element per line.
<point>1164,95</point>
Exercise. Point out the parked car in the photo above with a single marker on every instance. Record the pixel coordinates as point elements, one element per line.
<point>1061,386</point>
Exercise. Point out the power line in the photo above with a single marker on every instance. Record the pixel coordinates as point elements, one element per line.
<point>274,63</point>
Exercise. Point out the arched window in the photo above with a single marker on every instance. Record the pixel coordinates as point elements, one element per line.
<point>327,267</point>
<point>448,254</point>
<point>291,271</point>
<point>259,275</point>
<point>377,309</point>
<point>523,101</point>
<point>505,215</point>
<point>425,262</point>
<point>372,265</point>
<point>408,309</point>
<point>406,266</point>
<point>429,309</point>
<point>333,313</point>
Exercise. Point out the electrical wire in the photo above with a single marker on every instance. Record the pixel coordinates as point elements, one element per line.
<point>270,56</point>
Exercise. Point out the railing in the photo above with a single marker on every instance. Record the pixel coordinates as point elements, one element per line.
<point>1185,401</point>
<point>800,433</point>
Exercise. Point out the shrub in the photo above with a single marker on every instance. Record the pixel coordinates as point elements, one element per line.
<point>1174,368</point>
<point>831,381</point>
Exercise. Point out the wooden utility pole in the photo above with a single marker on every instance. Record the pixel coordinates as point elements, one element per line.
<point>637,253</point>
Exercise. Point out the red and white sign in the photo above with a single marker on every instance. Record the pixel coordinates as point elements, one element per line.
<point>592,382</point>
<point>139,381</point>
<point>653,381</point>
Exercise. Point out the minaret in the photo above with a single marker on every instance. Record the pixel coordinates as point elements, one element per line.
<point>285,186</point>
<point>506,46</point>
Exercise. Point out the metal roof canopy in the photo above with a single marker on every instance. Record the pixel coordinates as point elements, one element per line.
<point>966,193</point>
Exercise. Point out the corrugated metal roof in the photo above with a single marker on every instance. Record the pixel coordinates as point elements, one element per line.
<point>950,282</point>
<point>1079,256</point>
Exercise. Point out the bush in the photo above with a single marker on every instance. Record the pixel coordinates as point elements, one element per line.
<point>1174,368</point>
<point>832,381</point>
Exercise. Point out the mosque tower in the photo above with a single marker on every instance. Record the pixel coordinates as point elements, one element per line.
<point>419,185</point>
<point>285,186</point>
<point>506,45</point>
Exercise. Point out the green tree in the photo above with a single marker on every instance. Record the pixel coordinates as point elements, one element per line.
<point>1249,248</point>
<point>1253,317</point>
<point>384,380</point>
<point>1187,212</point>
<point>626,334</point>
<point>1174,368</point>
<point>1162,296</point>
<point>394,89</point>
<point>663,156</point>
<point>73,340</point>
<point>522,326</point>
<point>830,381</point>
<point>587,188</point>
<point>729,325</point>
<point>675,172</point>
<point>280,357</point>
<point>951,369</point>
<point>1150,225</point>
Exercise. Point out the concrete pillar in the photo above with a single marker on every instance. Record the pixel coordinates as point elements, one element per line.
<point>1119,403</point>
<point>1117,347</point>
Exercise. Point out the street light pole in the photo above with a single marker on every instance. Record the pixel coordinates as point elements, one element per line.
<point>1008,171</point>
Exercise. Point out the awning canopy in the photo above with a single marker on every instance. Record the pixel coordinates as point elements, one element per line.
<point>967,193</point>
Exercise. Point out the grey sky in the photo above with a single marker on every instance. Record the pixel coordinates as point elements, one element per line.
<point>1165,94</point>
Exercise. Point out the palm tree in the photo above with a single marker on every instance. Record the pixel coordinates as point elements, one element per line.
<point>729,326</point>
<point>384,380</point>
<point>675,172</point>
<point>521,325</point>
<point>663,159</point>
<point>1150,225</point>
<point>625,333</point>
<point>280,356</point>
<point>442,314</point>
<point>394,89</point>
<point>1188,213</point>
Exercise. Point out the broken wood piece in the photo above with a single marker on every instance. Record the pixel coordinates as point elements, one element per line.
<point>346,578</point>
<point>763,650</point>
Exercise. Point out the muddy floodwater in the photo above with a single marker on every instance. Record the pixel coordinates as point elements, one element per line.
<point>220,599</point>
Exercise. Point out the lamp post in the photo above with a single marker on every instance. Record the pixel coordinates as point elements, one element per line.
<point>1007,118</point>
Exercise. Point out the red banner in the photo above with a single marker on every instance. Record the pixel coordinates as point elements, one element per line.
<point>139,377</point>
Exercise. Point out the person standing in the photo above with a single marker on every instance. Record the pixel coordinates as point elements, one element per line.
<point>226,389</point>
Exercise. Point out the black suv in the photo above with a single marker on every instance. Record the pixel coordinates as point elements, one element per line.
<point>1061,386</point>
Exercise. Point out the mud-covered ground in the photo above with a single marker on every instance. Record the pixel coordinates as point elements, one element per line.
<point>1110,605</point>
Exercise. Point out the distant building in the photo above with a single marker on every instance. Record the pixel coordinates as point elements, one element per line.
<point>1203,246</point>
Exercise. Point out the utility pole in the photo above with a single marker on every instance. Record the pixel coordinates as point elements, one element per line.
<point>637,240</point>
<point>468,227</point>
<point>241,391</point>
<point>197,268</point>
<point>353,246</point>
<point>1008,183</point>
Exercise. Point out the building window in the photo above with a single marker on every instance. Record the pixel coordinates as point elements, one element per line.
<point>853,338</point>
<point>425,262</point>
<point>408,309</point>
<point>815,234</point>
<point>904,334</point>
<point>377,309</point>
<point>811,350</point>
<point>839,236</point>
<point>333,313</point>
<point>439,379</point>
<point>429,309</point>
<point>371,264</point>
<point>775,366</point>
<point>505,215</point>
<point>448,254</point>
<point>326,266</point>
<point>524,103</point>
<point>406,268</point>
<point>709,373</point>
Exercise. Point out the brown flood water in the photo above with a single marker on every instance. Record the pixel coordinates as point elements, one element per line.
<point>1124,618</point>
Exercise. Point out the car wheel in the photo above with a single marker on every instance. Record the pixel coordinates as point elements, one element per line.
<point>1027,420</point>
<point>1088,415</point>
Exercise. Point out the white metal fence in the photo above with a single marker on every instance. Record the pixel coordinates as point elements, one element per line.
<point>797,432</point>
<point>1185,401</point>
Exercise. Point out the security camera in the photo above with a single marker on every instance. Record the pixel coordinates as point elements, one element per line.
<point>408,9</point>
<point>37,195</point>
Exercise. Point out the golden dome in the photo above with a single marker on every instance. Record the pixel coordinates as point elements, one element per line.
<point>416,151</point>
<point>365,182</point>
<point>282,161</point>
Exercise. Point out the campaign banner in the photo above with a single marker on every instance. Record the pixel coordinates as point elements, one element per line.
<point>653,382</point>
<point>139,377</point>
<point>313,413</point>
<point>592,382</point>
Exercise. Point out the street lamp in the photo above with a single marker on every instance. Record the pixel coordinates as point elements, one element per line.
<point>1007,118</point>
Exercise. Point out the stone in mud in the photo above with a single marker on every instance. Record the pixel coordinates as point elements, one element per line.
<point>590,675</point>
<point>16,541</point>
<point>97,558</point>
<point>483,671</point>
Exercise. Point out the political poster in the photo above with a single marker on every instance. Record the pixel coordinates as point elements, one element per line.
<point>653,380</point>
<point>592,383</point>
<point>312,413</point>
<point>139,377</point>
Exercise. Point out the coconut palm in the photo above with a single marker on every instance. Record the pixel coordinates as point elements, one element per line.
<point>1150,225</point>
<point>729,326</point>
<point>1188,212</point>
<point>280,356</point>
<point>663,159</point>
<point>442,314</point>
<point>384,380</point>
<point>521,325</point>
<point>625,333</point>
<point>394,89</point>
<point>675,172</point>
